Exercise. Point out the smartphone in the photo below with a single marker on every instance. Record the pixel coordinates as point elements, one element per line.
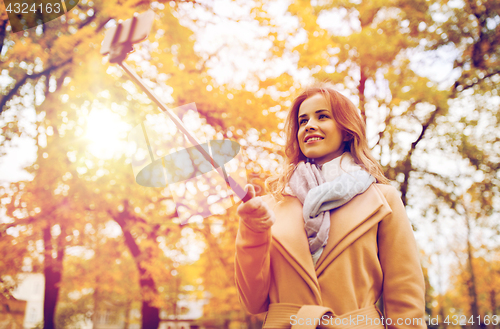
<point>132,30</point>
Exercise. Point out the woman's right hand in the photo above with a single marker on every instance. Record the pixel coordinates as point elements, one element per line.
<point>255,213</point>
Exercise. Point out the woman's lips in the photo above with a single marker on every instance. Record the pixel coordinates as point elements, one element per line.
<point>314,140</point>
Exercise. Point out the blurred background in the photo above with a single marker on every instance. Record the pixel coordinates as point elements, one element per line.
<point>83,245</point>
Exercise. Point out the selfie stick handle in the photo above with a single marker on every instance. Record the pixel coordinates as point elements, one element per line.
<point>240,192</point>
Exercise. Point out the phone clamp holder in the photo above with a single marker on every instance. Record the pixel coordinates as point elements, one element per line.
<point>119,51</point>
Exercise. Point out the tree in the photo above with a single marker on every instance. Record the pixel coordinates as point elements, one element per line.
<point>55,66</point>
<point>371,54</point>
<point>103,278</point>
<point>487,291</point>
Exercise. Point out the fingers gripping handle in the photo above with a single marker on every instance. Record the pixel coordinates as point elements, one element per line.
<point>250,192</point>
<point>244,194</point>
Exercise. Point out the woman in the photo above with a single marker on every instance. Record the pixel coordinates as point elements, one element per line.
<point>333,235</point>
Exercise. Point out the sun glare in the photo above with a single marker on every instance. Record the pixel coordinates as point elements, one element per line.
<point>107,133</point>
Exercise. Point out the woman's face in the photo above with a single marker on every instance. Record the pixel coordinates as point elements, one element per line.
<point>319,136</point>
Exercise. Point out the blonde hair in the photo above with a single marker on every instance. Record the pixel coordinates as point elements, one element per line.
<point>348,119</point>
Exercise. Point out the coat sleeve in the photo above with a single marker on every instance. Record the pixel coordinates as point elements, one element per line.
<point>252,266</point>
<point>403,287</point>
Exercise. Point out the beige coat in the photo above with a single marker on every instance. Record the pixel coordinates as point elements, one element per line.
<point>371,249</point>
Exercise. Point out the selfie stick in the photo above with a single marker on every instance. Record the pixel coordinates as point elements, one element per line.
<point>118,43</point>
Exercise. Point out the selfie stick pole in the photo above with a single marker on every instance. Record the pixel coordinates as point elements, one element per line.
<point>118,53</point>
<point>240,192</point>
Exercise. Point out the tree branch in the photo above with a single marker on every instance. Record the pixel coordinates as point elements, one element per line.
<point>465,87</point>
<point>31,219</point>
<point>23,80</point>
<point>407,165</point>
<point>3,29</point>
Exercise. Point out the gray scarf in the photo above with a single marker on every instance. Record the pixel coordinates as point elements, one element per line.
<point>318,197</point>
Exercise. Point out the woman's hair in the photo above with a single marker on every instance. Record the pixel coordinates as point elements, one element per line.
<point>347,118</point>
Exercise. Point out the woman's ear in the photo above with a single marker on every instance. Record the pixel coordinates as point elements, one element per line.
<point>347,137</point>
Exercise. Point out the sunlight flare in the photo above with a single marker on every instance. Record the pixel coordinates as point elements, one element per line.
<point>107,133</point>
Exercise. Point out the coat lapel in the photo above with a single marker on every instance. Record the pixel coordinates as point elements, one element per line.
<point>290,238</point>
<point>348,223</point>
<point>351,221</point>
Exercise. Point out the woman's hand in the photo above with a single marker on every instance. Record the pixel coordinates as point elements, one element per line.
<point>255,213</point>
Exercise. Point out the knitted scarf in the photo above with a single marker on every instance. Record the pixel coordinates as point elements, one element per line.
<point>323,189</point>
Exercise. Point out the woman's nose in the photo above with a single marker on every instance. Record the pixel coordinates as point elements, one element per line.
<point>310,126</point>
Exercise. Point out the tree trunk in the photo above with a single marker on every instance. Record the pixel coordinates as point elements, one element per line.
<point>226,324</point>
<point>150,316</point>
<point>52,272</point>
<point>96,302</point>
<point>493,301</point>
<point>127,316</point>
<point>150,313</point>
<point>441,316</point>
<point>361,91</point>
<point>471,284</point>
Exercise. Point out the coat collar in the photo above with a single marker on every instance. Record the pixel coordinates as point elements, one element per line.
<point>348,223</point>
<point>290,238</point>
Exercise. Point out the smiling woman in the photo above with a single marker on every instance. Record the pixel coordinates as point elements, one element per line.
<point>106,133</point>
<point>332,235</point>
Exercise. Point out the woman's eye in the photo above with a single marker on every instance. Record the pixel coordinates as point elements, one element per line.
<point>323,115</point>
<point>301,122</point>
